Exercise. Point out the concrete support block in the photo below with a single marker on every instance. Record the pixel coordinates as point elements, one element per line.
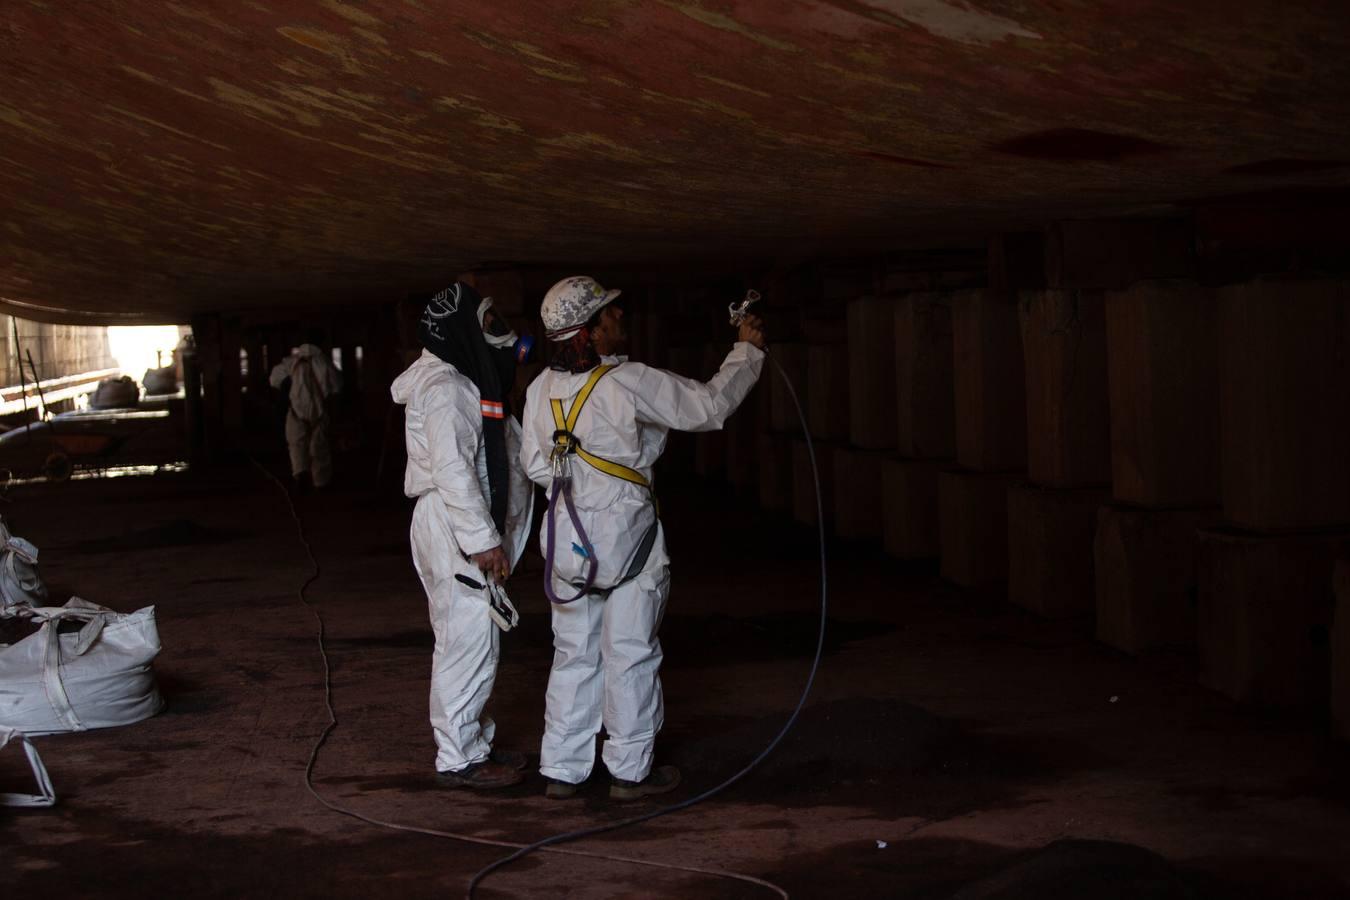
<point>742,445</point>
<point>909,503</point>
<point>710,447</point>
<point>782,413</point>
<point>990,384</point>
<point>925,396</point>
<point>710,454</point>
<point>1146,572</point>
<point>871,353</point>
<point>687,361</point>
<point>1068,423</point>
<point>775,471</point>
<point>1162,357</point>
<point>827,387</point>
<point>804,485</point>
<point>1016,261</point>
<point>1115,253</point>
<point>973,525</point>
<point>506,287</point>
<point>858,499</point>
<point>1050,535</point>
<point>1340,654</point>
<point>1264,615</point>
<point>1284,362</point>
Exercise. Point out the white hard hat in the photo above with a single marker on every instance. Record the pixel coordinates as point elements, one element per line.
<point>569,305</point>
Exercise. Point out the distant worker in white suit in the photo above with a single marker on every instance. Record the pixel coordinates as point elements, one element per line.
<point>313,380</point>
<point>595,425</point>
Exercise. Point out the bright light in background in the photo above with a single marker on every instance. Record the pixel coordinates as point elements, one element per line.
<point>134,346</point>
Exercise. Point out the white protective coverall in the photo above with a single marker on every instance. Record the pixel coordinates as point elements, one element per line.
<point>447,473</point>
<point>606,652</point>
<point>314,379</point>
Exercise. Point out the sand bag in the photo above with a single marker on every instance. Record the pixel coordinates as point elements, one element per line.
<point>21,587</point>
<point>116,393</point>
<point>95,676</point>
<point>46,795</point>
<point>160,381</point>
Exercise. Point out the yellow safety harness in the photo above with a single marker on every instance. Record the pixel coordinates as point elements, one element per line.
<point>565,442</point>
<point>565,445</point>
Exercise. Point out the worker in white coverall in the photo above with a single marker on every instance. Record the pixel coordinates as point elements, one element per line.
<point>313,380</point>
<point>606,652</point>
<point>471,521</point>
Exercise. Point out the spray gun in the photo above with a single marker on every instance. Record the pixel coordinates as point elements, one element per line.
<point>739,311</point>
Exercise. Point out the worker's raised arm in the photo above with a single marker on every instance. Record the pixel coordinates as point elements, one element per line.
<point>454,433</point>
<point>685,404</point>
<point>280,372</point>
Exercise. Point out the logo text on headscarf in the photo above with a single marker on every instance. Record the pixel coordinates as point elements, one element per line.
<point>441,306</point>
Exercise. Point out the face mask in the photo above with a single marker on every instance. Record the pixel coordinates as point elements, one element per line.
<point>499,335</point>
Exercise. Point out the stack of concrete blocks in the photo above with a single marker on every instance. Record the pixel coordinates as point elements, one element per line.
<point>991,438</point>
<point>742,437</point>
<point>710,447</point>
<point>926,433</point>
<point>1340,654</point>
<point>686,360</point>
<point>1162,353</point>
<point>872,425</point>
<point>1266,580</point>
<point>826,406</point>
<point>1052,517</point>
<point>781,428</point>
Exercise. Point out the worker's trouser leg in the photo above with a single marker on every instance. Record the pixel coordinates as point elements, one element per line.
<point>320,454</point>
<point>606,664</point>
<point>309,449</point>
<point>297,443</point>
<point>464,662</point>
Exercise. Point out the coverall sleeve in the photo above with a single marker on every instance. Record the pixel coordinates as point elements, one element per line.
<point>532,457</point>
<point>454,435</point>
<point>280,372</point>
<point>683,404</point>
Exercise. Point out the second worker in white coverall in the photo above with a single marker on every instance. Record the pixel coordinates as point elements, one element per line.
<point>313,381</point>
<point>471,520</point>
<point>608,419</point>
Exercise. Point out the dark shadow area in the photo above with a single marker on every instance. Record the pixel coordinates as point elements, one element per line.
<point>177,533</point>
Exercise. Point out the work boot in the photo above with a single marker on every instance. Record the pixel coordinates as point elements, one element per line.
<point>661,780</point>
<point>512,759</point>
<point>560,790</point>
<point>300,484</point>
<point>483,775</point>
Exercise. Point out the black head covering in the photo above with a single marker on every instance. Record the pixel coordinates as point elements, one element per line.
<point>450,329</point>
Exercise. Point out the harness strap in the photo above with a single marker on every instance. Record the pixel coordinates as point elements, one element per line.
<point>565,440</point>
<point>563,486</point>
<point>565,443</point>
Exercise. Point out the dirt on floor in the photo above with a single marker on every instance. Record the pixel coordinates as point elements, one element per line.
<point>951,748</point>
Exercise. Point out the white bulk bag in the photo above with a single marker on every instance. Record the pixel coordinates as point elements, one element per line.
<point>97,677</point>
<point>47,797</point>
<point>20,585</point>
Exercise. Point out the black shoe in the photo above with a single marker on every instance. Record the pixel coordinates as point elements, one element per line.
<point>483,775</point>
<point>512,759</point>
<point>661,780</point>
<point>561,790</point>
